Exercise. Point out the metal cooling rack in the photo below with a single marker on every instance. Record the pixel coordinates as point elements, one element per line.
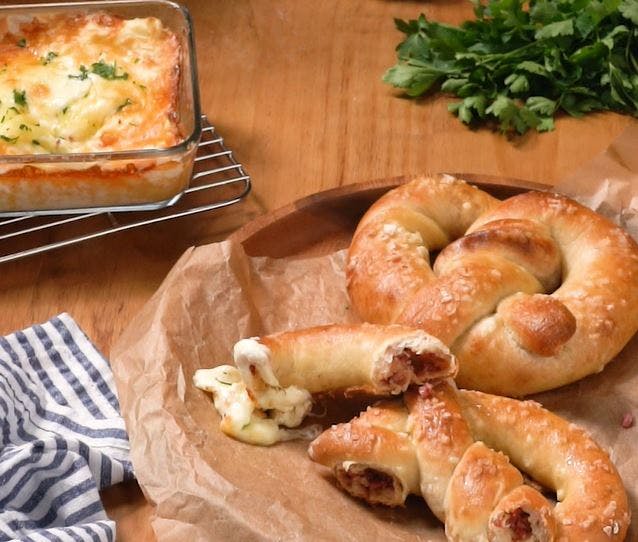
<point>218,181</point>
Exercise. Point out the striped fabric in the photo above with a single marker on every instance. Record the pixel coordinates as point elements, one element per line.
<point>63,438</point>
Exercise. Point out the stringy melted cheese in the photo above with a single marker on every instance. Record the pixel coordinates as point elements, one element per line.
<point>87,83</point>
<point>241,418</point>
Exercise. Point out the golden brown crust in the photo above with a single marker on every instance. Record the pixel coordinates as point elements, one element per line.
<point>440,437</point>
<point>451,304</point>
<point>524,242</point>
<point>538,293</point>
<point>376,359</point>
<point>523,515</point>
<point>480,480</point>
<point>592,503</point>
<point>398,233</point>
<point>600,273</point>
<point>540,323</point>
<point>377,440</point>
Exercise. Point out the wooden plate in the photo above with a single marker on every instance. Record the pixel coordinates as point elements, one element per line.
<point>324,222</point>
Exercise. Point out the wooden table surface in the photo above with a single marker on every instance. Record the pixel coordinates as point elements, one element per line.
<point>295,88</point>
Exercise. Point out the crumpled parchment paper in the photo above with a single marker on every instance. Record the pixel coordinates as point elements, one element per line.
<point>206,486</point>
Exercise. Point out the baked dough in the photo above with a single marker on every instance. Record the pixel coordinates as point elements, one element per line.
<point>477,492</point>
<point>275,376</point>
<point>530,293</point>
<point>374,359</point>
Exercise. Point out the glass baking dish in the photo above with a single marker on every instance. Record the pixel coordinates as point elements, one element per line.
<point>123,180</point>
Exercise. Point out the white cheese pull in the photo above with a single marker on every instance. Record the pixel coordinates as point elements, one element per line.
<point>243,419</point>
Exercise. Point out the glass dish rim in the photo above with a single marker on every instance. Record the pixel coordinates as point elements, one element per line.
<point>130,154</point>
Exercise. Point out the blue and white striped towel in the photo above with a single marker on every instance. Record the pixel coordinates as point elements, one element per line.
<point>63,438</point>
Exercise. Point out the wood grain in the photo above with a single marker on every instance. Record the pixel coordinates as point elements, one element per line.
<point>325,221</point>
<point>295,89</point>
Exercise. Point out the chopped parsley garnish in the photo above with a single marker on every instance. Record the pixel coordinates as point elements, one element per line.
<point>101,68</point>
<point>35,142</point>
<point>65,109</point>
<point>84,73</point>
<point>25,128</point>
<point>107,71</point>
<point>20,97</point>
<point>519,63</point>
<point>124,104</point>
<point>9,139</point>
<point>50,56</point>
<point>22,42</point>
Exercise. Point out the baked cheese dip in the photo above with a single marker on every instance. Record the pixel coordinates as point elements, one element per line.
<point>78,86</point>
<point>87,83</point>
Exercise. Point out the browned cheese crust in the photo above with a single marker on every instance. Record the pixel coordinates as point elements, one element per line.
<point>530,293</point>
<point>90,83</point>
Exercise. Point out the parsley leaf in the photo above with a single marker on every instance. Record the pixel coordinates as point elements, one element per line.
<point>22,42</point>
<point>9,139</point>
<point>20,97</point>
<point>84,73</point>
<point>552,30</point>
<point>520,63</point>
<point>47,59</point>
<point>414,79</point>
<point>107,71</point>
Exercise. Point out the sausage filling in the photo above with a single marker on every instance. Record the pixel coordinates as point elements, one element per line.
<point>517,521</point>
<point>371,485</point>
<point>427,365</point>
<point>408,367</point>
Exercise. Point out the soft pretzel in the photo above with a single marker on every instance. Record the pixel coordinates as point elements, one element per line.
<point>276,375</point>
<point>376,359</point>
<point>592,503</point>
<point>468,481</point>
<point>530,293</point>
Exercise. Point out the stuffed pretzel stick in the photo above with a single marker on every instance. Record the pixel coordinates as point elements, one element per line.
<point>461,451</point>
<point>270,388</point>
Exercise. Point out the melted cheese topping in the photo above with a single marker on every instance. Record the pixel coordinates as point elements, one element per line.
<point>87,83</point>
<point>241,419</point>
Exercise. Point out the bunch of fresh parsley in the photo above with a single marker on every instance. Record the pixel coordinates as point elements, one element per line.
<point>521,62</point>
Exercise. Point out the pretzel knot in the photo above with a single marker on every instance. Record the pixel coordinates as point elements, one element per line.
<point>529,293</point>
<point>426,445</point>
